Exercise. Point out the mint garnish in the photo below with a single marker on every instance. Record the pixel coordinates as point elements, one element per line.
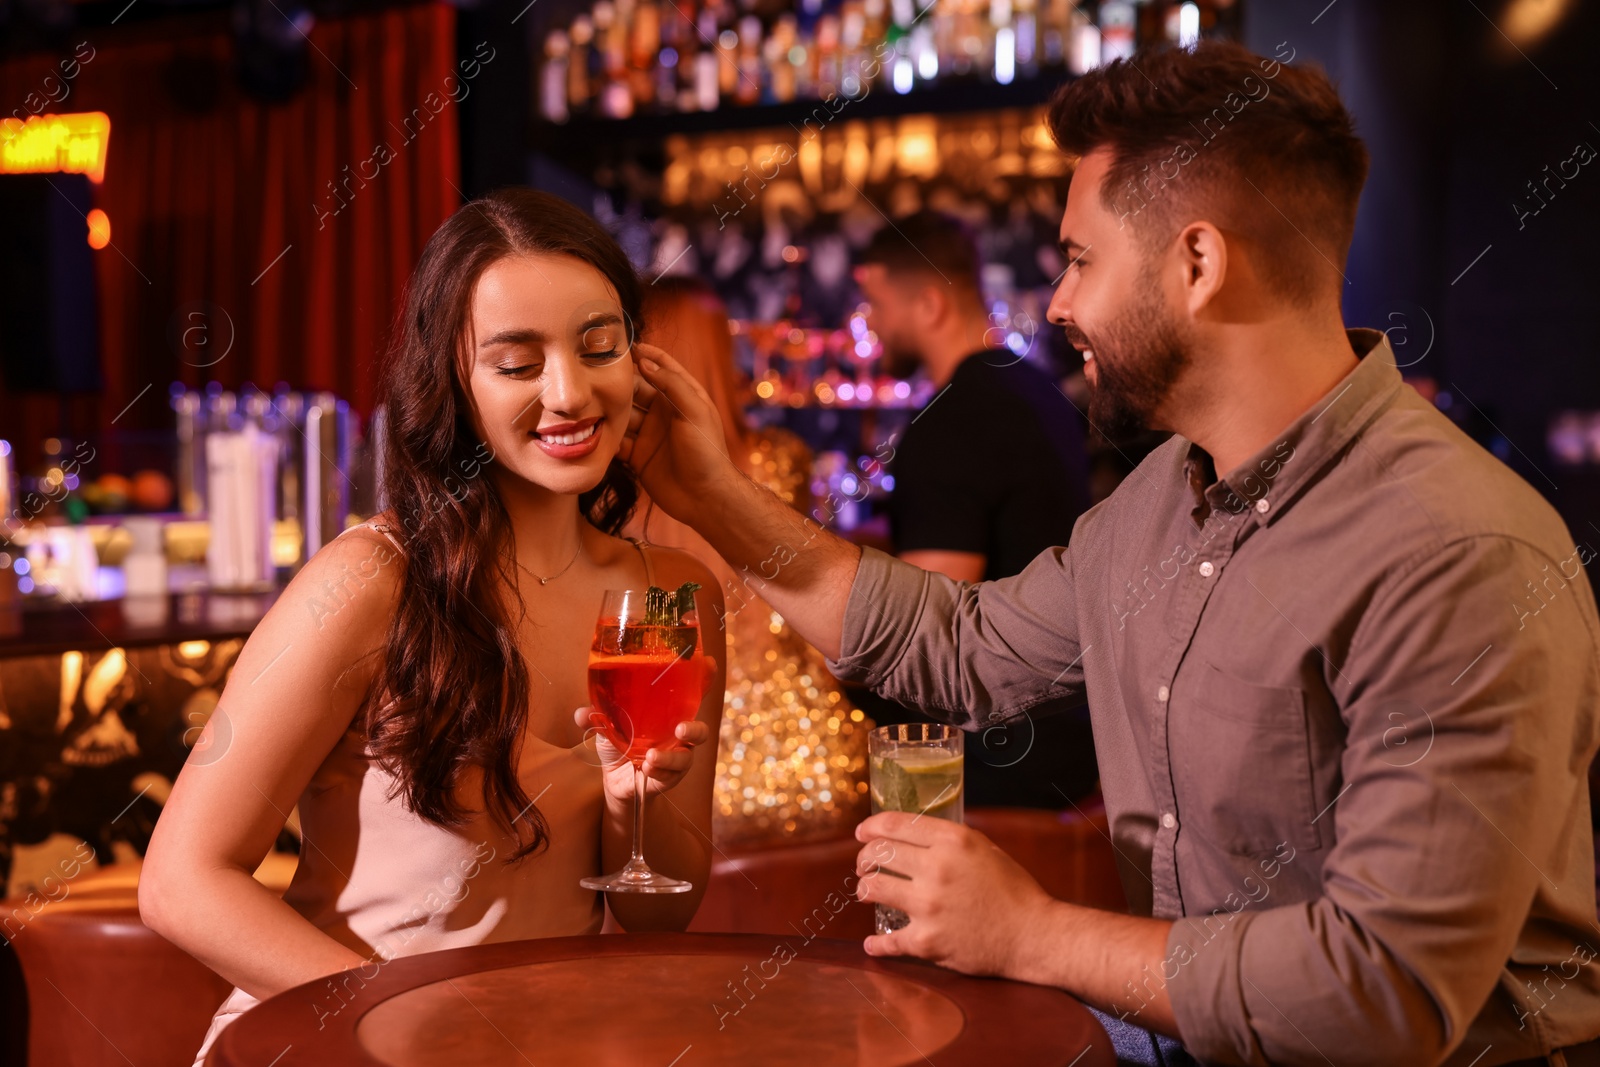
<point>666,608</point>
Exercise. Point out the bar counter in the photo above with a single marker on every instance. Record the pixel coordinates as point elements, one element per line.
<point>30,627</point>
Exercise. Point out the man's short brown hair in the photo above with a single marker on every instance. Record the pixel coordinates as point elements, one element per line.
<point>927,244</point>
<point>1219,133</point>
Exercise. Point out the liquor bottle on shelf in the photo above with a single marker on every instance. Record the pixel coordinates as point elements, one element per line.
<point>942,22</point>
<point>581,64</point>
<point>779,49</point>
<point>726,36</point>
<point>809,11</point>
<point>665,76</point>
<point>1003,56</point>
<point>618,70</point>
<point>553,77</point>
<point>898,70</point>
<point>852,30</point>
<point>1117,37</point>
<point>874,22</point>
<point>623,20</point>
<point>644,48</point>
<point>686,45</point>
<point>1184,25</point>
<point>1055,30</point>
<point>1027,39</point>
<point>827,56</point>
<point>1085,43</point>
<point>972,44</point>
<point>683,98</point>
<point>626,57</point>
<point>925,50</point>
<point>748,88</point>
<point>802,57</point>
<point>903,71</point>
<point>707,63</point>
<point>611,88</point>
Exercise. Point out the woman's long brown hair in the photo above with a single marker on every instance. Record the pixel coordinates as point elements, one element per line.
<point>451,691</point>
<point>685,316</point>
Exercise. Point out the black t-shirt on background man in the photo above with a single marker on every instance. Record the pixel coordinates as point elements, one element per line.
<point>996,464</point>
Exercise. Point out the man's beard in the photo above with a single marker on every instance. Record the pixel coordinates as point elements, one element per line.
<point>1137,358</point>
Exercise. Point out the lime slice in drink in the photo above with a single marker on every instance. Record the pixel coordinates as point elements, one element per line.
<point>910,781</point>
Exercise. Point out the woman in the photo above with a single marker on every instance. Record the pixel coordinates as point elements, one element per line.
<point>791,758</point>
<point>414,688</point>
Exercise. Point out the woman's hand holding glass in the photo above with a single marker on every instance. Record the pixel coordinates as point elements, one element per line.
<point>664,768</point>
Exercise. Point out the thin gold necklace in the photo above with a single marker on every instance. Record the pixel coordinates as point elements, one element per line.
<point>559,573</point>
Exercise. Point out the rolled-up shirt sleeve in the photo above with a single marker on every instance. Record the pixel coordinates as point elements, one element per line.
<point>1444,841</point>
<point>971,653</point>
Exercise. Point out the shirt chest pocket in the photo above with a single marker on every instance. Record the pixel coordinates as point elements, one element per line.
<point>1242,764</point>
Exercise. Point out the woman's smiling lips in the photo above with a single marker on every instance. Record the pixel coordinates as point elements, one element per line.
<point>569,440</point>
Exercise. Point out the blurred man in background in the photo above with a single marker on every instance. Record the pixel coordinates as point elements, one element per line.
<point>988,475</point>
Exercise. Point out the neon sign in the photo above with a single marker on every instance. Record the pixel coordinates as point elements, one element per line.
<point>47,144</point>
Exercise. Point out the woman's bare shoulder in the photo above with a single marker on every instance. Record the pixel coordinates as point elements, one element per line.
<point>352,582</point>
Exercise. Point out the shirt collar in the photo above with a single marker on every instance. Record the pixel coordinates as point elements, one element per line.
<point>1278,472</point>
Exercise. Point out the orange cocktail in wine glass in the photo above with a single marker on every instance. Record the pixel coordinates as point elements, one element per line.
<point>647,673</point>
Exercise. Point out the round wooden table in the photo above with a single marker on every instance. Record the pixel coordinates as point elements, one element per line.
<point>663,1000</point>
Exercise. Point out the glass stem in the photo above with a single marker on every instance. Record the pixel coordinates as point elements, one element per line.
<point>638,816</point>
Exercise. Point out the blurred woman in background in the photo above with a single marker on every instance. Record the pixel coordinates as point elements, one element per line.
<point>791,758</point>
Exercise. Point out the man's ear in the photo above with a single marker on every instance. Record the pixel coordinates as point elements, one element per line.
<point>1203,254</point>
<point>933,302</point>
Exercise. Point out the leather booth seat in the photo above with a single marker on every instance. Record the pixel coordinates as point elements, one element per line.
<point>106,991</point>
<point>103,989</point>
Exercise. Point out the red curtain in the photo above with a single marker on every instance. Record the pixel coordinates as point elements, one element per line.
<point>284,230</point>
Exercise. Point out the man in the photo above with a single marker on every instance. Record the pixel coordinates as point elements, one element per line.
<point>1343,758</point>
<point>991,473</point>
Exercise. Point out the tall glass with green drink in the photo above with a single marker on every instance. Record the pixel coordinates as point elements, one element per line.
<point>915,767</point>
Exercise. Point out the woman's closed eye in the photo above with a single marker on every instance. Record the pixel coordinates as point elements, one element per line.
<point>535,370</point>
<point>603,341</point>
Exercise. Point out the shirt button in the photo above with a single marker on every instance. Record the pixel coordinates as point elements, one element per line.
<point>1169,820</point>
<point>1207,569</point>
<point>1162,694</point>
<point>1262,505</point>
